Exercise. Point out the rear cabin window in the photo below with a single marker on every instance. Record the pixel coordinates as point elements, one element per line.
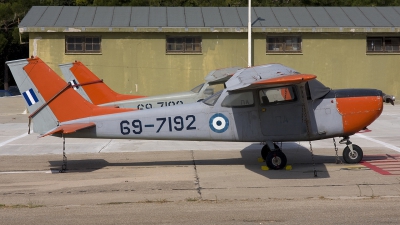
<point>212,99</point>
<point>197,88</point>
<point>277,95</point>
<point>242,99</point>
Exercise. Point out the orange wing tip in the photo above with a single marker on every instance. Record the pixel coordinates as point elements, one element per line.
<point>69,128</point>
<point>290,79</point>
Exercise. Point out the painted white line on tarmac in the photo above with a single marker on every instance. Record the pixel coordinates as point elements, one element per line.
<point>397,149</point>
<point>13,139</point>
<point>23,172</point>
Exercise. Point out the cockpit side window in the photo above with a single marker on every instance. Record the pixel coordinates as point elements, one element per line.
<point>212,99</point>
<point>197,88</point>
<point>277,95</point>
<point>242,99</point>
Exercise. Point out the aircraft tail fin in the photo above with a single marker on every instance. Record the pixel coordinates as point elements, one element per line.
<point>90,86</point>
<point>50,99</point>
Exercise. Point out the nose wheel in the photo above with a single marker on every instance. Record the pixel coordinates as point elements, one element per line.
<point>352,156</point>
<point>352,153</point>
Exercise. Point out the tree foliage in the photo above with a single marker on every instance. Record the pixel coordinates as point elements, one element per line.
<point>12,12</point>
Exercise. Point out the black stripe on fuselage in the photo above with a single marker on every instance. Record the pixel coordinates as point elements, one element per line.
<point>347,93</point>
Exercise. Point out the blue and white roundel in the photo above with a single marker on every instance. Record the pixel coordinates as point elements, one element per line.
<point>219,123</point>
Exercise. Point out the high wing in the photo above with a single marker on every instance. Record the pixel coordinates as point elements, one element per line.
<point>220,76</point>
<point>284,80</point>
<point>266,76</point>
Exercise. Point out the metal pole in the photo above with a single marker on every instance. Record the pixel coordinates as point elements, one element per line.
<point>249,37</point>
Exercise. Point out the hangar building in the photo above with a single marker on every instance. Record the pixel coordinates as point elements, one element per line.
<point>157,50</point>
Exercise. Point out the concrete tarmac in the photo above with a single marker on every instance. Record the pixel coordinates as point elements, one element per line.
<point>183,182</point>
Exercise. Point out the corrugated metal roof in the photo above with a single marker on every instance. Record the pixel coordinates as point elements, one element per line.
<point>158,17</point>
<point>225,17</point>
<point>375,17</point>
<point>33,16</point>
<point>103,17</point>
<point>121,17</point>
<point>194,17</point>
<point>212,17</point>
<point>176,17</point>
<point>321,17</point>
<point>284,16</point>
<point>339,17</point>
<point>67,16</point>
<point>357,17</point>
<point>390,14</point>
<point>140,17</point>
<point>49,17</point>
<point>265,17</point>
<point>303,17</point>
<point>230,17</point>
<point>85,17</point>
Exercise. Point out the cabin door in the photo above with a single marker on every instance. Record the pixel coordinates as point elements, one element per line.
<point>281,112</point>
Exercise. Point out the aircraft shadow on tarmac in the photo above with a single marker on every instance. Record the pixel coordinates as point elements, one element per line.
<point>298,157</point>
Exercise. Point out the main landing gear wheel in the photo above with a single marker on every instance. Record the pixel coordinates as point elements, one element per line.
<point>276,160</point>
<point>353,157</point>
<point>265,150</point>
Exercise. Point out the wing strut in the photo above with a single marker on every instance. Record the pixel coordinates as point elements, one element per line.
<point>69,85</point>
<point>306,119</point>
<point>87,83</point>
<point>45,104</point>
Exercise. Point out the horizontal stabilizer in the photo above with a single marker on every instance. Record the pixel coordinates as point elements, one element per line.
<point>69,128</point>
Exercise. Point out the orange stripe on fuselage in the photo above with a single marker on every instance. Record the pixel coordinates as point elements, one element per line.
<point>69,105</point>
<point>99,93</point>
<point>359,112</point>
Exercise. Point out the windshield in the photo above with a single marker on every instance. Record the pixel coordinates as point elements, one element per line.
<point>212,99</point>
<point>197,88</point>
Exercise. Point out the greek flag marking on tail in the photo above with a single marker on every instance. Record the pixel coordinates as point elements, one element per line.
<point>73,82</point>
<point>30,97</point>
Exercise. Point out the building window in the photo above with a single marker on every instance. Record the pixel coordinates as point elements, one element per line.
<point>383,44</point>
<point>187,44</point>
<point>82,44</point>
<point>287,44</point>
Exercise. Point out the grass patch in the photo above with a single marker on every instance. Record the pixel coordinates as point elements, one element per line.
<point>20,206</point>
<point>192,199</point>
<point>155,201</point>
<point>115,203</point>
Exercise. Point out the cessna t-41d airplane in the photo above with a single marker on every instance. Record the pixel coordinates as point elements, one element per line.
<point>89,86</point>
<point>269,103</point>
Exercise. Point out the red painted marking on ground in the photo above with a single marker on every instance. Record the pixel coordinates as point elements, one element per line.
<point>364,131</point>
<point>383,164</point>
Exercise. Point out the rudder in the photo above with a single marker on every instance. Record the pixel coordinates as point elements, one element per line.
<point>97,91</point>
<point>56,102</point>
<point>44,121</point>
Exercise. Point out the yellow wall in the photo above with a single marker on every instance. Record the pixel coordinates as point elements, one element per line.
<point>339,61</point>
<point>136,63</point>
